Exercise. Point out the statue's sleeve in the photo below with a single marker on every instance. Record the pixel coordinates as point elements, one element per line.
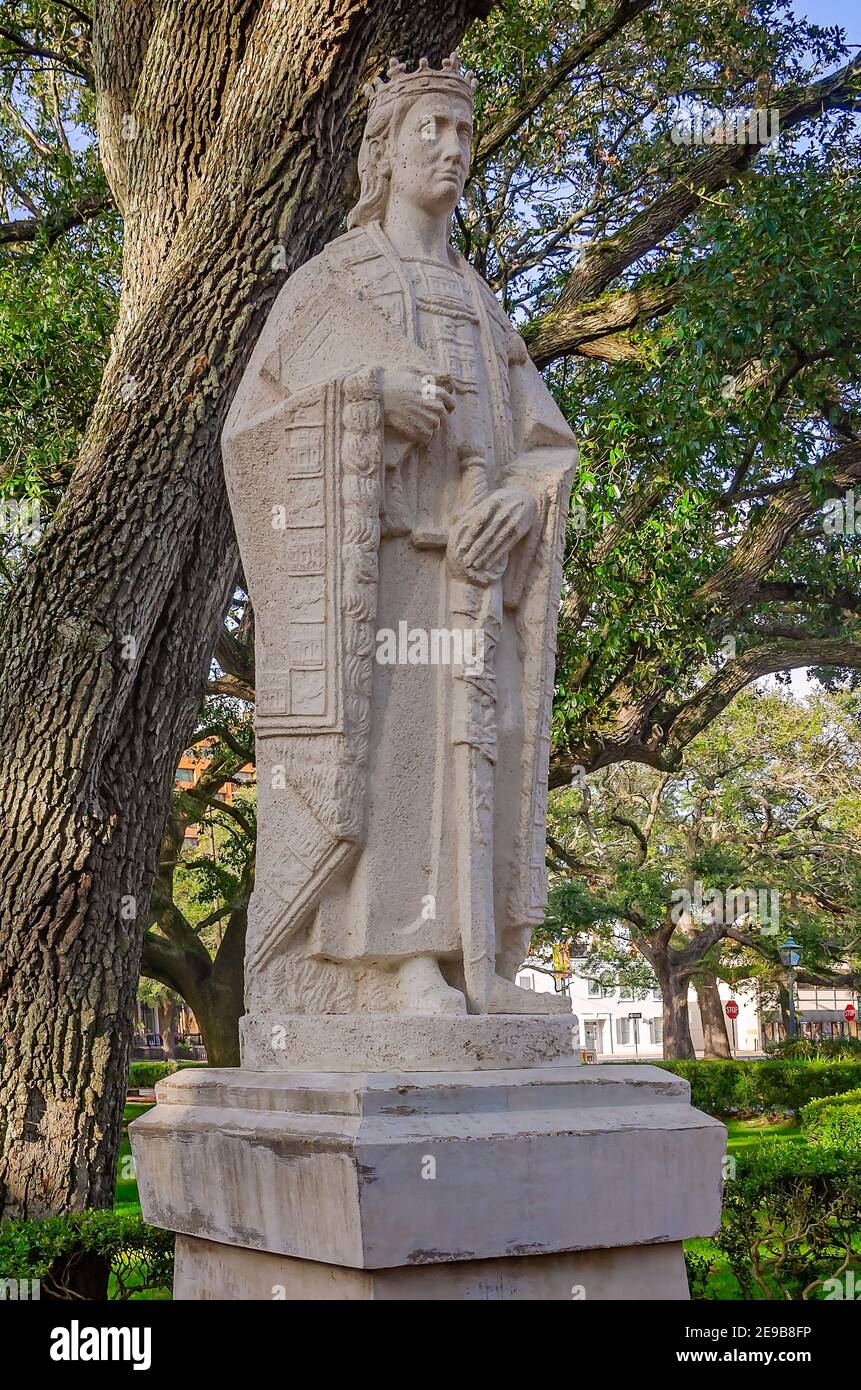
<point>544,455</point>
<point>543,461</point>
<point>303,455</point>
<point>537,421</point>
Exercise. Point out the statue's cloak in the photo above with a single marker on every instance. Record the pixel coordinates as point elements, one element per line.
<point>306,467</point>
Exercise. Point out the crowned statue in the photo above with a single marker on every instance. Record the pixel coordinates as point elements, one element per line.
<point>399,477</point>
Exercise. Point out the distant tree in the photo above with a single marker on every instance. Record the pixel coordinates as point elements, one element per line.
<point>199,906</point>
<point>698,875</point>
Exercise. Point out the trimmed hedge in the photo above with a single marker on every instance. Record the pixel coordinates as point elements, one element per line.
<point>833,1121</point>
<point>762,1087</point>
<point>845,1098</point>
<point>75,1255</point>
<point>148,1073</point>
<point>791,1221</point>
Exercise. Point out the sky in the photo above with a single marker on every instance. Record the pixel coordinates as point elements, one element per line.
<point>824,12</point>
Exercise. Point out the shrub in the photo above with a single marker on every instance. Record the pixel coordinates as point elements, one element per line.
<point>148,1073</point>
<point>762,1087</point>
<point>823,1049</point>
<point>833,1121</point>
<point>73,1256</point>
<point>791,1220</point>
<point>844,1098</point>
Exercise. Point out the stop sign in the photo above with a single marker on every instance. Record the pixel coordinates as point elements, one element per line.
<point>849,1013</point>
<point>731,1008</point>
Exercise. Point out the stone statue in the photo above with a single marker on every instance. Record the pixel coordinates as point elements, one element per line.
<point>399,478</point>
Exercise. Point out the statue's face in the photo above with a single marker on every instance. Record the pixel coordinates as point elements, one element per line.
<point>430,155</point>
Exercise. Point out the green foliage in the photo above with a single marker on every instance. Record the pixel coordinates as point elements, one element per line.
<point>757,1088</point>
<point>148,1073</point>
<point>791,1219</point>
<point>665,421</point>
<point>823,1049</point>
<point>833,1121</point>
<point>698,1267</point>
<point>56,315</point>
<point>59,283</point>
<point>813,1107</point>
<point>139,1257</point>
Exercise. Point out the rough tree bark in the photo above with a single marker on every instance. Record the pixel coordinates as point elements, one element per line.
<point>225,130</point>
<point>678,1043</point>
<point>667,965</point>
<point>715,1038</point>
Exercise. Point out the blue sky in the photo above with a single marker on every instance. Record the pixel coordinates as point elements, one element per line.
<point>844,12</point>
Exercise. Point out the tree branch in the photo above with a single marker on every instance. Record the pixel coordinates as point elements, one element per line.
<point>592,329</point>
<point>52,225</point>
<point>24,49</point>
<point>707,174</point>
<point>698,712</point>
<point>576,55</point>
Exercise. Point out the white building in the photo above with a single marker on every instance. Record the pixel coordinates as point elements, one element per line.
<point>613,1025</point>
<point>603,1017</point>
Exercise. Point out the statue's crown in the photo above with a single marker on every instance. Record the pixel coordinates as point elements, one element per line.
<point>451,77</point>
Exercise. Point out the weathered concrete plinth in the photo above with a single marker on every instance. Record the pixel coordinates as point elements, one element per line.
<point>551,1182</point>
<point>417,1042</point>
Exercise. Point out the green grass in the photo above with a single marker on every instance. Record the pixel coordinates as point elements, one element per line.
<point>743,1134</point>
<point>126,1189</point>
<point>126,1192</point>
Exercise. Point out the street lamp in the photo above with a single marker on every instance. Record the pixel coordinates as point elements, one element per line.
<point>790,955</point>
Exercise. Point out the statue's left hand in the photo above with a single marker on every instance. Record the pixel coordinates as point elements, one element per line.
<point>480,543</point>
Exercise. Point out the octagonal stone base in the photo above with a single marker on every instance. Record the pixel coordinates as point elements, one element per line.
<point>461,1185</point>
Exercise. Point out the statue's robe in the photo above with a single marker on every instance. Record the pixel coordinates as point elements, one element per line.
<point>342,529</point>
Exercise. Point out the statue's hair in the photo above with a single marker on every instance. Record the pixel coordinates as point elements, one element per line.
<point>375,170</point>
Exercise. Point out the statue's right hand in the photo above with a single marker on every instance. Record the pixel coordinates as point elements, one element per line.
<point>415,405</point>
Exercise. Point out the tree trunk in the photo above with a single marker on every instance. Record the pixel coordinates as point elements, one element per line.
<point>783,1005</point>
<point>678,1043</point>
<point>218,1012</point>
<point>716,1041</point>
<point>243,112</point>
<point>664,961</point>
<point>169,1012</point>
<point>213,989</point>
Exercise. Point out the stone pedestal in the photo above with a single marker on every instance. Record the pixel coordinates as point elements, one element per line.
<point>556,1181</point>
